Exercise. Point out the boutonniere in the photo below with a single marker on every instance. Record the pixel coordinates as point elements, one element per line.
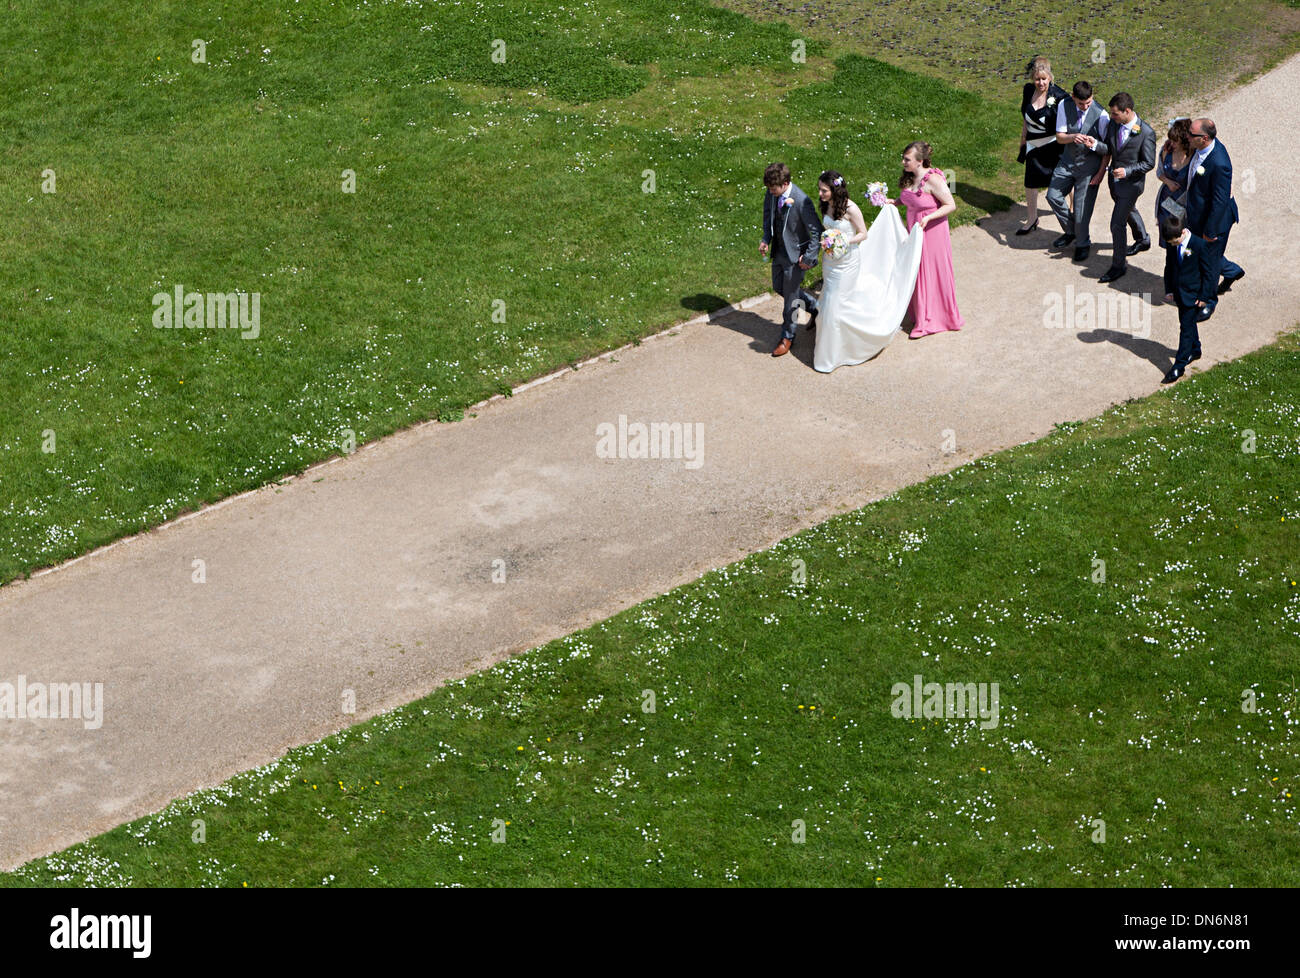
<point>1135,128</point>
<point>786,201</point>
<point>1200,171</point>
<point>1051,100</point>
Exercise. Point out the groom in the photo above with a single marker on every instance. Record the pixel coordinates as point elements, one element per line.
<point>793,232</point>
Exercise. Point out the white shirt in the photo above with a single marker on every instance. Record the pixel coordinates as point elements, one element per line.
<point>1197,159</point>
<point>1063,126</point>
<point>1120,131</point>
<point>1183,250</point>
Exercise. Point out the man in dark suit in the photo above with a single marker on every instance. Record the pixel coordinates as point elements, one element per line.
<point>1194,281</point>
<point>793,233</point>
<point>1211,208</point>
<point>1131,145</point>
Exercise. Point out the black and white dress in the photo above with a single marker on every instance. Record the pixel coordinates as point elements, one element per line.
<point>1042,151</point>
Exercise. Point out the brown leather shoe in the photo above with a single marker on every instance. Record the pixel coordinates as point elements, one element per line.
<point>782,348</point>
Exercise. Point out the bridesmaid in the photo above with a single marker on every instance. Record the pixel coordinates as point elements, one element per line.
<point>1039,149</point>
<point>924,192</point>
<point>1171,171</point>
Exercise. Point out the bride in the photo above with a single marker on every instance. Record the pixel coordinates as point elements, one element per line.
<point>866,291</point>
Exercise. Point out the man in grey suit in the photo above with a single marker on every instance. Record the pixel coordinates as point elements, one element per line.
<point>793,232</point>
<point>1131,144</point>
<point>1081,129</point>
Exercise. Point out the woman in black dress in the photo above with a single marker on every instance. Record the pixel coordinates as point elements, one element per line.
<point>1172,164</point>
<point>1039,150</point>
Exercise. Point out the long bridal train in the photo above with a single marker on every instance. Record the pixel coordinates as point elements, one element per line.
<point>865,294</point>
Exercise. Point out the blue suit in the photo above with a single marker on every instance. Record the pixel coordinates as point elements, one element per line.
<point>1212,211</point>
<point>1194,278</point>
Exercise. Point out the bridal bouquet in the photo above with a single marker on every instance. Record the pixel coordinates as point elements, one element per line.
<point>878,193</point>
<point>834,244</point>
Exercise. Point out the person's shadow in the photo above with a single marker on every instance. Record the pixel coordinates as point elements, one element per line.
<point>763,333</point>
<point>703,302</point>
<point>1154,352</point>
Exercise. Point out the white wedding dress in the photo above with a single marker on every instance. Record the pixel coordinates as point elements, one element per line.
<point>865,294</point>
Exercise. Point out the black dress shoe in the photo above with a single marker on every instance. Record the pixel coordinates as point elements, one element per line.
<point>1196,356</point>
<point>1139,247</point>
<point>1205,314</point>
<point>812,321</point>
<point>1023,231</point>
<point>1229,282</point>
<point>1062,241</point>
<point>1112,274</point>
<point>1081,254</point>
<point>1174,374</point>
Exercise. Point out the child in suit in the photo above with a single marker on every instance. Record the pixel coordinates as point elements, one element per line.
<point>1194,282</point>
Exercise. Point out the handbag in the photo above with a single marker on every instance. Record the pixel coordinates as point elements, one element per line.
<point>1178,208</point>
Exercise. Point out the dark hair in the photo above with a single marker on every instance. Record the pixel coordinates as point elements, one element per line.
<point>1171,226</point>
<point>1122,101</point>
<point>1178,134</point>
<point>1208,126</point>
<point>922,151</point>
<point>839,193</point>
<point>776,175</point>
<point>1082,90</point>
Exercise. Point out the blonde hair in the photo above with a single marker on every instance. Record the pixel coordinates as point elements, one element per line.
<point>1040,66</point>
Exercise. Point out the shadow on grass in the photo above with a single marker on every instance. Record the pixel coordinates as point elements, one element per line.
<point>703,302</point>
<point>986,200</point>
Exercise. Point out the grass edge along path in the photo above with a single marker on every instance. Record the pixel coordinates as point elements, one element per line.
<point>1129,582</point>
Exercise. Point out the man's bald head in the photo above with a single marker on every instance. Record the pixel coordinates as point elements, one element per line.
<point>1205,126</point>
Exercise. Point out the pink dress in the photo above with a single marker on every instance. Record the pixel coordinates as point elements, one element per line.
<point>934,303</point>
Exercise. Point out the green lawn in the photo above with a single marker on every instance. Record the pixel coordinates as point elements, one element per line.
<point>1120,700</point>
<point>482,187</point>
<point>1160,51</point>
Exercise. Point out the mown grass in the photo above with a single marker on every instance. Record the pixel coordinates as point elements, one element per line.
<point>513,188</point>
<point>1121,699</point>
<point>1160,51</point>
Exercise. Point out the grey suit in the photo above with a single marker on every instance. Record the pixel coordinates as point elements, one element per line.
<point>1136,157</point>
<point>794,233</point>
<point>1074,171</point>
